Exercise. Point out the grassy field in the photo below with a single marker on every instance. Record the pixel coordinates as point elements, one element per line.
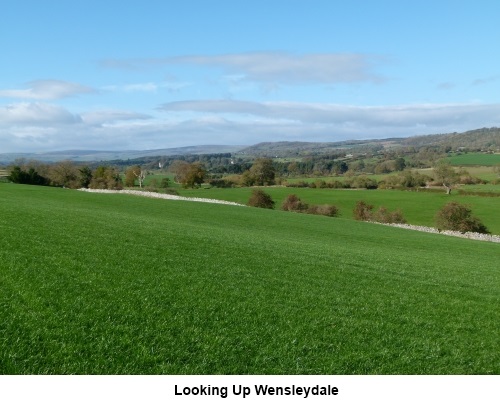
<point>419,208</point>
<point>475,159</point>
<point>327,179</point>
<point>116,284</point>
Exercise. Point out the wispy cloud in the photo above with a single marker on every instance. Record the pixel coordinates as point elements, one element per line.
<point>485,80</point>
<point>445,86</point>
<point>148,87</point>
<point>47,90</point>
<point>102,117</point>
<point>276,67</point>
<point>405,116</point>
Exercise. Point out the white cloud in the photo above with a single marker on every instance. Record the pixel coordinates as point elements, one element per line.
<point>102,117</point>
<point>25,114</point>
<point>402,116</point>
<point>486,80</point>
<point>445,86</point>
<point>148,87</point>
<point>47,90</point>
<point>277,67</point>
<point>28,127</point>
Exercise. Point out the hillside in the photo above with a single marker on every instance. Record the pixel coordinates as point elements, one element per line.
<point>293,149</point>
<point>478,139</point>
<point>117,284</point>
<point>96,156</point>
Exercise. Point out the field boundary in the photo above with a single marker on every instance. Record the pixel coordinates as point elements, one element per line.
<point>466,235</point>
<point>151,194</point>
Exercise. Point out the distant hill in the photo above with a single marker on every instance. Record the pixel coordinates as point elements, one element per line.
<point>478,139</point>
<point>96,156</point>
<point>481,139</point>
<point>287,149</point>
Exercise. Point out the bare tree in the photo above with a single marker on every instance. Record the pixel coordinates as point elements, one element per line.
<point>141,175</point>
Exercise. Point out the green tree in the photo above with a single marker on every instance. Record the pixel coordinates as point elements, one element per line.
<point>180,168</point>
<point>262,172</point>
<point>165,182</point>
<point>17,175</point>
<point>399,164</point>
<point>130,176</point>
<point>132,173</point>
<point>64,174</point>
<point>261,199</point>
<point>85,176</point>
<point>339,167</point>
<point>457,217</point>
<point>31,176</point>
<point>195,175</point>
<point>445,174</point>
<point>105,177</point>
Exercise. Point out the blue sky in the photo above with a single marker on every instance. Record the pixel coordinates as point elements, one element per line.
<point>116,75</point>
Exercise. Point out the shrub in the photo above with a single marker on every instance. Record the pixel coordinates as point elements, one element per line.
<point>152,186</point>
<point>261,199</point>
<point>20,176</point>
<point>383,215</point>
<point>363,182</point>
<point>222,183</point>
<point>335,184</point>
<point>165,182</point>
<point>106,178</point>
<point>293,203</point>
<point>326,209</point>
<point>171,191</point>
<point>362,211</point>
<point>457,217</point>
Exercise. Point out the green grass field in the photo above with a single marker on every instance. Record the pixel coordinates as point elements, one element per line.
<point>116,284</point>
<point>475,159</point>
<point>419,208</point>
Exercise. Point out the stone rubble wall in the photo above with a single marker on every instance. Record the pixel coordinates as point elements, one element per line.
<point>467,235</point>
<point>160,195</point>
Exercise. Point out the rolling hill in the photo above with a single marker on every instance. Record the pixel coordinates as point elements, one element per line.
<point>117,284</point>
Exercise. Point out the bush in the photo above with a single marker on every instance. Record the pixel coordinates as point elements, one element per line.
<point>383,215</point>
<point>261,199</point>
<point>362,211</point>
<point>152,186</point>
<point>165,182</point>
<point>293,203</point>
<point>457,217</point>
<point>221,183</point>
<point>299,184</point>
<point>20,176</point>
<point>326,209</point>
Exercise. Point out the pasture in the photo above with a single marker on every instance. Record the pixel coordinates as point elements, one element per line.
<point>475,159</point>
<point>419,207</point>
<point>117,284</point>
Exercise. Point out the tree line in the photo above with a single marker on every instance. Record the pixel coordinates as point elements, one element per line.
<point>65,174</point>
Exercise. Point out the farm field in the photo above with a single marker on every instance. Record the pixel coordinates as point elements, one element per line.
<point>475,159</point>
<point>117,284</point>
<point>419,208</point>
